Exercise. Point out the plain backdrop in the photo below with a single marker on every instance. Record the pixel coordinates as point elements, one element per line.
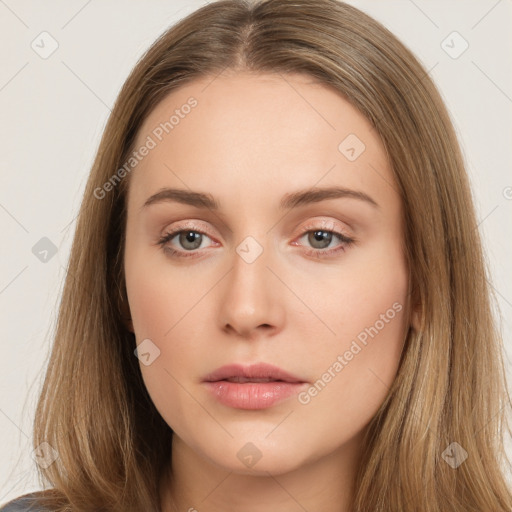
<point>54,109</point>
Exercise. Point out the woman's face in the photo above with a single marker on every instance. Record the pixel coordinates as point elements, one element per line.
<point>294,259</point>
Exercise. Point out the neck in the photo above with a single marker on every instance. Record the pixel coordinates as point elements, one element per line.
<point>196,484</point>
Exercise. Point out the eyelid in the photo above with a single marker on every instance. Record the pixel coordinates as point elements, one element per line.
<point>192,225</point>
<point>202,227</point>
<point>324,225</point>
<point>328,225</point>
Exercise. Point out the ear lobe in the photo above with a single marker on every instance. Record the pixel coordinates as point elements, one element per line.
<point>123,306</point>
<point>127,319</point>
<point>415,307</point>
<point>126,314</point>
<point>129,325</point>
<point>415,318</point>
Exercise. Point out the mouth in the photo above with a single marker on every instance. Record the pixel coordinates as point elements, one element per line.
<point>258,386</point>
<point>252,379</point>
<point>260,372</point>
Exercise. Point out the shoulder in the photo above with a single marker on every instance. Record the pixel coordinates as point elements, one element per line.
<point>25,503</point>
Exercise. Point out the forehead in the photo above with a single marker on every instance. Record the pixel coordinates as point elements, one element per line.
<point>245,129</point>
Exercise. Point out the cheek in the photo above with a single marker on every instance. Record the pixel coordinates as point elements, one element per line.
<point>151,306</point>
<point>363,298</point>
<point>164,306</point>
<point>159,307</point>
<point>159,294</point>
<point>355,369</point>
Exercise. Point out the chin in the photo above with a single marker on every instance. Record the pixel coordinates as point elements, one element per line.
<point>258,457</point>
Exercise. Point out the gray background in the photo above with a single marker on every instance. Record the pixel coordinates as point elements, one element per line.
<point>54,109</point>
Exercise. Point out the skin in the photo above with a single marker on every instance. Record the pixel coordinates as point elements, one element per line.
<point>250,140</point>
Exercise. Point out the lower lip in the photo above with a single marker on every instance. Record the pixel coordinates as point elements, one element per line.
<point>253,395</point>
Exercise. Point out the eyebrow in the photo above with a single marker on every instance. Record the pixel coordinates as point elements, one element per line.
<point>291,200</point>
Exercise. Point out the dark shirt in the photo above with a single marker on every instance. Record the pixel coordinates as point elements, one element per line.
<point>25,503</point>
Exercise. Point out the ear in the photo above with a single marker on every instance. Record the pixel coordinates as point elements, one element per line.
<point>124,309</point>
<point>416,313</point>
<point>415,307</point>
<point>126,317</point>
<point>129,325</point>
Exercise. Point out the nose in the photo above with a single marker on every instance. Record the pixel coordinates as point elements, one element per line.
<point>251,301</point>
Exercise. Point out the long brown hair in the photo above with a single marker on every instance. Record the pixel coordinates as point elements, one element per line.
<point>113,445</point>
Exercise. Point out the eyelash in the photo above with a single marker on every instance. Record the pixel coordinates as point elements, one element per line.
<point>319,253</point>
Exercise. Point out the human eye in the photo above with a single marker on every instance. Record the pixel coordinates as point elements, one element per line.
<point>190,238</point>
<point>321,236</point>
<point>187,241</point>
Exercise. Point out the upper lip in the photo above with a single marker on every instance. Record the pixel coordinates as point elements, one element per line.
<point>253,371</point>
